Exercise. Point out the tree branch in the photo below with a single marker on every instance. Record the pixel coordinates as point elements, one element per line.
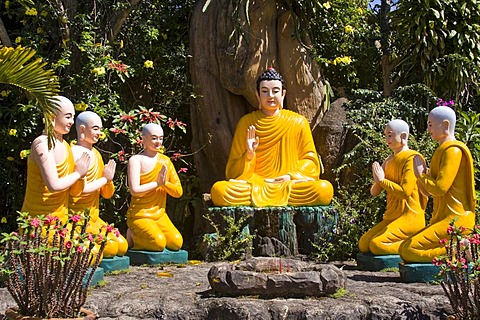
<point>4,38</point>
<point>118,19</point>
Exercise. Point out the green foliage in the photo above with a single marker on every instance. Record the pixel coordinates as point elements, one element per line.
<point>439,44</point>
<point>230,241</point>
<point>340,293</point>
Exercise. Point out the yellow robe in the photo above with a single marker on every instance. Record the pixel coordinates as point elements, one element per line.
<point>146,216</point>
<point>285,147</point>
<point>39,200</point>
<point>115,245</point>
<point>405,212</point>
<point>451,184</point>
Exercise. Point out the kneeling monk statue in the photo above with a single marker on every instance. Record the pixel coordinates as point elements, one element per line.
<point>52,173</point>
<point>405,212</point>
<point>151,176</point>
<point>450,182</point>
<point>273,160</point>
<point>98,181</point>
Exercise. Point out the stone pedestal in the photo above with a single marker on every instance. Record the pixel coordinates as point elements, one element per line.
<point>419,272</point>
<point>96,278</point>
<point>370,262</point>
<point>139,257</point>
<point>115,264</point>
<point>294,227</point>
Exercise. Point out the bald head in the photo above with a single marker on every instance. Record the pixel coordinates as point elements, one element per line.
<point>442,114</point>
<point>87,119</point>
<point>399,126</point>
<point>64,105</point>
<point>152,128</point>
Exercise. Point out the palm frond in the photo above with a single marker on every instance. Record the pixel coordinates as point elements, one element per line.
<point>18,67</point>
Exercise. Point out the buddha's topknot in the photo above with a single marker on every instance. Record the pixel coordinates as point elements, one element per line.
<point>270,74</point>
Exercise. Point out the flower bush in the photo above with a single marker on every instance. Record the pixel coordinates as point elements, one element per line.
<point>460,270</point>
<point>48,264</point>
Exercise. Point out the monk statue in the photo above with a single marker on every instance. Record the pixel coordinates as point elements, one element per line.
<point>52,172</point>
<point>450,182</point>
<point>98,181</point>
<point>405,212</point>
<point>272,160</point>
<point>151,176</point>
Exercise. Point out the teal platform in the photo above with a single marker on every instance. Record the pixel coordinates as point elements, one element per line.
<point>419,272</point>
<point>370,262</point>
<point>96,278</point>
<point>139,257</point>
<point>115,264</point>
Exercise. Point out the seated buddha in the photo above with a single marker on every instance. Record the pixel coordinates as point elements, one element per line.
<point>98,181</point>
<point>272,160</point>
<point>450,182</point>
<point>405,212</point>
<point>151,177</point>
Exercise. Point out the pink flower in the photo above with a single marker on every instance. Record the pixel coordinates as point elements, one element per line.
<point>450,230</point>
<point>90,237</point>
<point>35,222</point>
<point>50,219</point>
<point>100,237</point>
<point>79,249</point>
<point>182,170</point>
<point>176,156</point>
<point>109,228</point>
<point>68,244</point>
<point>76,218</point>
<point>117,233</point>
<point>443,241</point>
<point>121,155</point>
<point>464,242</point>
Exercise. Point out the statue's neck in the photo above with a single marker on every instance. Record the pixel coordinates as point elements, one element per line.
<point>85,144</point>
<point>398,150</point>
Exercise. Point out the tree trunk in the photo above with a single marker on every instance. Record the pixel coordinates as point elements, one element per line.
<point>224,74</point>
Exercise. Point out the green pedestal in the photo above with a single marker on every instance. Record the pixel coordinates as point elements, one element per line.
<point>115,264</point>
<point>370,262</point>
<point>419,272</point>
<point>96,278</point>
<point>139,257</point>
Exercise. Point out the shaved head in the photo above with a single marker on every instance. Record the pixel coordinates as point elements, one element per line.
<point>443,113</point>
<point>87,118</point>
<point>398,126</point>
<point>152,128</point>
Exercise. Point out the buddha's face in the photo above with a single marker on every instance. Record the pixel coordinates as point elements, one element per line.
<point>436,128</point>
<point>92,130</point>
<point>153,139</point>
<point>393,138</point>
<point>271,95</point>
<point>63,120</point>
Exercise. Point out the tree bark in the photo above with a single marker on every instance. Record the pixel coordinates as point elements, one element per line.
<point>4,38</point>
<point>224,76</point>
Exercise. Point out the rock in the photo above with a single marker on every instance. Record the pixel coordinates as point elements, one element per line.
<point>141,294</point>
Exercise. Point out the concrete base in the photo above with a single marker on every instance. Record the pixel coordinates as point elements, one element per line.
<point>370,262</point>
<point>115,264</point>
<point>139,257</point>
<point>419,272</point>
<point>96,278</point>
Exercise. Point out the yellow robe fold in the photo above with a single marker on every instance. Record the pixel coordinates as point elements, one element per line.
<point>285,146</point>
<point>146,216</point>
<point>451,184</point>
<point>115,245</point>
<point>38,199</point>
<point>405,212</point>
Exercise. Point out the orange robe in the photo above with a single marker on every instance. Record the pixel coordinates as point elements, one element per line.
<point>451,184</point>
<point>115,245</point>
<point>39,200</point>
<point>405,212</point>
<point>285,147</point>
<point>146,217</point>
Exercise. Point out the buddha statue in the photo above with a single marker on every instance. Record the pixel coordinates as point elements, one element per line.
<point>52,173</point>
<point>151,176</point>
<point>450,182</point>
<point>98,181</point>
<point>405,212</point>
<point>272,160</point>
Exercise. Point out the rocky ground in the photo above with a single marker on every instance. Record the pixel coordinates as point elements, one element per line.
<point>173,292</point>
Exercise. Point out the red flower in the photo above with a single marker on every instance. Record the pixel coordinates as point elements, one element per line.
<point>90,237</point>
<point>127,118</point>
<point>176,156</point>
<point>121,155</point>
<point>79,249</point>
<point>182,170</point>
<point>450,229</point>
<point>63,233</point>
<point>76,218</point>
<point>68,244</point>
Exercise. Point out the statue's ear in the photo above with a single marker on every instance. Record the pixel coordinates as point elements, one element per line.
<point>403,136</point>
<point>446,125</point>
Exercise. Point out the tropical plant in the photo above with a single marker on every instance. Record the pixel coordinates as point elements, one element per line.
<point>49,263</point>
<point>460,271</point>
